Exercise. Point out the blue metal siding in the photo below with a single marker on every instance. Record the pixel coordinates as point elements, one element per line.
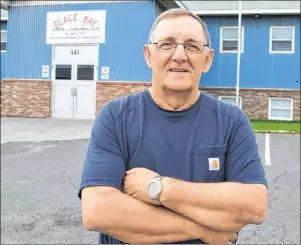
<point>3,65</point>
<point>259,68</point>
<point>127,30</point>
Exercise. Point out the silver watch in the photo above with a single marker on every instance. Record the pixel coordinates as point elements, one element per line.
<point>154,188</point>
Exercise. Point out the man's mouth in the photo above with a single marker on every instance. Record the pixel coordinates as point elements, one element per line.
<point>178,70</point>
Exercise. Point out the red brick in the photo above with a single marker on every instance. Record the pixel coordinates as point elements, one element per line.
<point>26,98</point>
<point>32,98</point>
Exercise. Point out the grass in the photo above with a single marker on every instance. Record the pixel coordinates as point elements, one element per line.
<point>292,127</point>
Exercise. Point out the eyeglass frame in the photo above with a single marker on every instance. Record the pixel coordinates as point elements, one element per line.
<point>176,45</point>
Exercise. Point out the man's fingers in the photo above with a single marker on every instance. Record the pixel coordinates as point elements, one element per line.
<point>130,171</point>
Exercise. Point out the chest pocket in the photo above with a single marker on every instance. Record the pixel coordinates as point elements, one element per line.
<point>209,163</point>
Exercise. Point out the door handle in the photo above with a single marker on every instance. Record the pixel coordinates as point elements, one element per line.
<point>73,92</point>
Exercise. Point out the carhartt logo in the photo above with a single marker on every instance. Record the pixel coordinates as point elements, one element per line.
<point>213,163</point>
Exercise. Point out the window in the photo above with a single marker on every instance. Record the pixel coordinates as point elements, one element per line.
<point>63,72</point>
<point>85,72</point>
<point>281,109</point>
<point>230,100</point>
<point>3,40</point>
<point>282,39</point>
<point>229,39</point>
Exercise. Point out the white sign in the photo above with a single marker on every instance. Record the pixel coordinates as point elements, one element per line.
<point>76,27</point>
<point>45,68</point>
<point>45,71</point>
<point>104,77</point>
<point>105,70</point>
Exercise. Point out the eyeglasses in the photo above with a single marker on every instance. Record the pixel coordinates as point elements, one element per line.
<point>193,47</point>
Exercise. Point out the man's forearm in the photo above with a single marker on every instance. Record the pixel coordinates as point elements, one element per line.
<point>219,206</point>
<point>133,221</point>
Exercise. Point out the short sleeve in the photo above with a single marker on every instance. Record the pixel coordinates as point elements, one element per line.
<point>243,162</point>
<point>104,164</point>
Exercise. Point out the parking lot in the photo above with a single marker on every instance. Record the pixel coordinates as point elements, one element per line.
<point>41,164</point>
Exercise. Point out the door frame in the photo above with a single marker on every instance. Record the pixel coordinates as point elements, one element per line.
<point>72,62</point>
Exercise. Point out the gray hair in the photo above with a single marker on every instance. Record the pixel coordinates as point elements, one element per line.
<point>175,13</point>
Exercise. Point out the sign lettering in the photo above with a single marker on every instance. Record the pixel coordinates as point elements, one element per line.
<point>75,51</point>
<point>76,27</point>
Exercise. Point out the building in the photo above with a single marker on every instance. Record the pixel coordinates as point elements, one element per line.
<point>67,58</point>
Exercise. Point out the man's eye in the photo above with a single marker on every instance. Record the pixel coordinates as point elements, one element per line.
<point>192,47</point>
<point>165,44</point>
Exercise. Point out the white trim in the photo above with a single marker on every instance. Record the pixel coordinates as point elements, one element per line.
<point>292,40</point>
<point>267,150</point>
<point>4,51</point>
<point>246,11</point>
<point>221,39</point>
<point>181,5</point>
<point>277,118</point>
<point>220,97</point>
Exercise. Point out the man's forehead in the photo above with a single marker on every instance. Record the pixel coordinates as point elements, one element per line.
<point>184,27</point>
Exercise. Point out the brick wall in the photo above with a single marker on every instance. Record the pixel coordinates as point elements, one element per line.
<point>254,102</point>
<point>32,98</point>
<point>26,98</point>
<point>106,91</point>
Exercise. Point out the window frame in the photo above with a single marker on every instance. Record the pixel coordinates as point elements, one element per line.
<point>231,97</point>
<point>282,118</point>
<point>271,40</point>
<point>4,51</point>
<point>221,39</point>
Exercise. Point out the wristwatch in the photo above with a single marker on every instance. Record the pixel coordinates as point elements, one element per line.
<point>154,189</point>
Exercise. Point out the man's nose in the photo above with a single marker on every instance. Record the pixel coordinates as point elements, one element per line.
<point>179,53</point>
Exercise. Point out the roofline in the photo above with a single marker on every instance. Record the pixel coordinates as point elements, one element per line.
<point>247,11</point>
<point>167,4</point>
<point>181,4</point>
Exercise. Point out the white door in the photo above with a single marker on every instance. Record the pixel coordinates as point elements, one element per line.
<point>85,90</point>
<point>62,99</point>
<point>74,81</point>
<point>74,90</point>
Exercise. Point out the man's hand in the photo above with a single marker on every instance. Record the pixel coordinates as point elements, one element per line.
<point>136,182</point>
<point>219,237</point>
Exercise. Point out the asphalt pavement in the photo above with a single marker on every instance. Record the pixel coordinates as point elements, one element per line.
<point>40,179</point>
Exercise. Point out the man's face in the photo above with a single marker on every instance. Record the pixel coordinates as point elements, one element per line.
<point>180,29</point>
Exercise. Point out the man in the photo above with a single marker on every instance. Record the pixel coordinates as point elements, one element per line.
<point>172,164</point>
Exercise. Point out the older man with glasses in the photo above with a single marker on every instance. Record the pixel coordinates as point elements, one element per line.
<point>172,164</point>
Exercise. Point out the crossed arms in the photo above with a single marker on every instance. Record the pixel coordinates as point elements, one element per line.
<point>194,211</point>
<point>211,212</point>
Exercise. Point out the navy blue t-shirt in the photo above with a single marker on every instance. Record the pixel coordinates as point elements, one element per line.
<point>212,141</point>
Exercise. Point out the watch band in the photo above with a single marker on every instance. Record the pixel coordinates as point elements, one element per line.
<point>159,178</point>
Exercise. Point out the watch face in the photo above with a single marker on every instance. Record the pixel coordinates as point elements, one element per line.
<point>154,189</point>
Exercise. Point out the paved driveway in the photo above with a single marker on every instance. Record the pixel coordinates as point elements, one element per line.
<point>39,183</point>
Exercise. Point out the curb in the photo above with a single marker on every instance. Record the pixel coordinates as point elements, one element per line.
<point>276,132</point>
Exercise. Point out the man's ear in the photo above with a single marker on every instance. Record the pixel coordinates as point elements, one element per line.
<point>147,55</point>
<point>208,61</point>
